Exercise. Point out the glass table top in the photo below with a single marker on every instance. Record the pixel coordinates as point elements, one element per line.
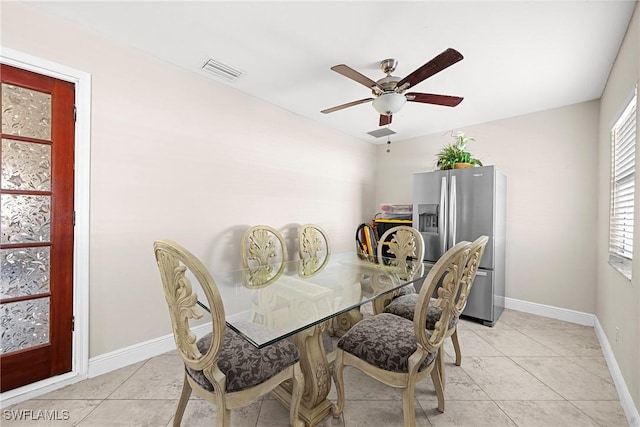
<point>268,303</point>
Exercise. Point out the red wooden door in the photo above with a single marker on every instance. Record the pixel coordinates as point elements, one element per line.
<point>36,242</point>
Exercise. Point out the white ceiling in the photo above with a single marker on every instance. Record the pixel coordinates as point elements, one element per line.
<point>519,56</point>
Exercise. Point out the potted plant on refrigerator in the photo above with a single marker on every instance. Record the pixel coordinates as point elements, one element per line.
<point>455,155</point>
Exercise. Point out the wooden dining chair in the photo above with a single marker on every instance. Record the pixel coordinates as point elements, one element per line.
<point>399,352</point>
<point>264,255</point>
<point>313,249</point>
<point>405,244</point>
<point>404,305</point>
<point>221,367</point>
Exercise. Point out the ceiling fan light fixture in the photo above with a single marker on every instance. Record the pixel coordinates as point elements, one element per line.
<point>389,103</point>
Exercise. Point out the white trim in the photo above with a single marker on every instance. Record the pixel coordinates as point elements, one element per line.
<point>565,314</point>
<point>138,352</point>
<point>82,161</point>
<point>628,406</point>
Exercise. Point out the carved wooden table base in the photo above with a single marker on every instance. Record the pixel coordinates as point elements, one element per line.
<point>316,367</point>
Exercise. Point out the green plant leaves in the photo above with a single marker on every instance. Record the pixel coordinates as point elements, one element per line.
<point>456,153</point>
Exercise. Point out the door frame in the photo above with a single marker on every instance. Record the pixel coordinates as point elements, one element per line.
<point>80,350</point>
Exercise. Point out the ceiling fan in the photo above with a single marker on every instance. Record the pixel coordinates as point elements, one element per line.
<point>389,91</point>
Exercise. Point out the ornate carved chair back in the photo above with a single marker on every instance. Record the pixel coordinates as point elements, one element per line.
<point>313,248</point>
<point>406,243</point>
<point>264,254</point>
<point>469,273</point>
<point>446,277</point>
<point>176,264</point>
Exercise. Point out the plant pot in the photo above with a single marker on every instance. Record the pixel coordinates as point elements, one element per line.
<point>462,165</point>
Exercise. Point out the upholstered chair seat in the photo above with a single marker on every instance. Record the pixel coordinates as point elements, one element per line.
<point>385,341</point>
<point>243,364</point>
<point>405,305</point>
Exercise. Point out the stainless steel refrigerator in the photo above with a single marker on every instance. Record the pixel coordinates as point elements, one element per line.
<point>463,204</point>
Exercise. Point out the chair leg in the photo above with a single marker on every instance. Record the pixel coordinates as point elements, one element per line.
<point>223,414</point>
<point>456,346</point>
<point>296,396</point>
<point>439,368</point>
<point>437,384</point>
<point>182,403</point>
<point>408,405</point>
<point>338,379</point>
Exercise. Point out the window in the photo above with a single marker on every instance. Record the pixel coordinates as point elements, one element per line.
<point>623,170</point>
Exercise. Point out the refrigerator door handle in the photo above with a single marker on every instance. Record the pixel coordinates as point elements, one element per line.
<point>442,221</point>
<point>452,211</point>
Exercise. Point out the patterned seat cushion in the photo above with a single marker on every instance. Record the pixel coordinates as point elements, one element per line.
<point>243,364</point>
<point>385,341</point>
<point>405,290</point>
<point>405,306</point>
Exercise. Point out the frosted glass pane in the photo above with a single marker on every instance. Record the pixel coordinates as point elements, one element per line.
<point>26,112</point>
<point>25,218</point>
<point>24,324</point>
<point>24,271</point>
<point>26,166</point>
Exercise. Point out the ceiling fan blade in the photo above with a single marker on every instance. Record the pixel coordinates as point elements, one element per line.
<point>437,64</point>
<point>430,98</point>
<point>355,76</point>
<point>347,105</point>
<point>385,120</point>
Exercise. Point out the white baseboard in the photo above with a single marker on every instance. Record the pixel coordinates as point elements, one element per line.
<point>565,314</point>
<point>138,352</point>
<point>628,406</point>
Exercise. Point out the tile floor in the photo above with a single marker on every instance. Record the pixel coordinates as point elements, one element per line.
<point>526,371</point>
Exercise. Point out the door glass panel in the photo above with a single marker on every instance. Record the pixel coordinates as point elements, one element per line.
<point>24,271</point>
<point>26,112</point>
<point>24,324</point>
<point>26,166</point>
<point>26,218</point>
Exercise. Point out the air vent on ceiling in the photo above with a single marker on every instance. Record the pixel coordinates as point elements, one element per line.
<point>224,71</point>
<point>379,133</point>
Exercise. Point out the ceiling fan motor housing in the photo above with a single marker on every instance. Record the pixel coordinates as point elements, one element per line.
<point>388,83</point>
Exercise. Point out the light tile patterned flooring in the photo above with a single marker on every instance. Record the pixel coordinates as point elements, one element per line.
<point>526,371</point>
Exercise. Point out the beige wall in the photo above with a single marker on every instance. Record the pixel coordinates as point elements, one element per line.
<point>550,160</point>
<point>618,299</point>
<point>175,155</point>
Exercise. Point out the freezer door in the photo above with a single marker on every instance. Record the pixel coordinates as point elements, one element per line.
<point>472,208</point>
<point>430,209</point>
<point>480,301</point>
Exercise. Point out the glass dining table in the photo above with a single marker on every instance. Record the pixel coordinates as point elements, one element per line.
<point>300,300</point>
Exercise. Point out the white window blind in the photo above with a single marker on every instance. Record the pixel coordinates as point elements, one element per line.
<point>623,169</point>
